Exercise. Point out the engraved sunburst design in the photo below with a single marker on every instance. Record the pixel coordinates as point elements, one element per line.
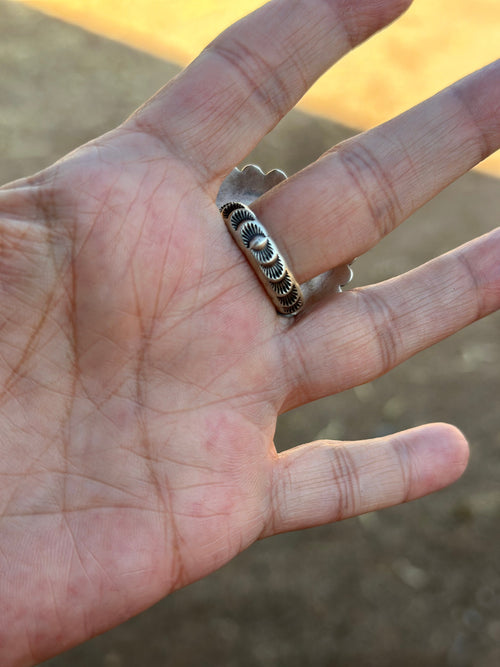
<point>275,272</point>
<point>250,231</point>
<point>255,238</point>
<point>261,252</point>
<point>291,298</point>
<point>268,254</point>
<point>240,189</point>
<point>283,286</point>
<point>228,208</point>
<point>293,310</point>
<point>240,215</point>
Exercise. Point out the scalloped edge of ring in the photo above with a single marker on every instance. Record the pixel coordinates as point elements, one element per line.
<point>264,257</point>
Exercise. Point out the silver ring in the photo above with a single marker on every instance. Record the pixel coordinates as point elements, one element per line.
<point>237,192</point>
<point>264,257</point>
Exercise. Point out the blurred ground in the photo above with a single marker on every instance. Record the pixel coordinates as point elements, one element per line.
<point>417,585</point>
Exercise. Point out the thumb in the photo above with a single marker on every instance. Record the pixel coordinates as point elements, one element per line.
<point>327,481</point>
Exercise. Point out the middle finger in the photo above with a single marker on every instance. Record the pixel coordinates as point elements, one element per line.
<point>358,192</point>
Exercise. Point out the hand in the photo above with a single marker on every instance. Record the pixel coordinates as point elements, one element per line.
<point>143,367</point>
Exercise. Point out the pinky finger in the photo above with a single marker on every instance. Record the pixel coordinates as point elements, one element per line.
<point>326,481</point>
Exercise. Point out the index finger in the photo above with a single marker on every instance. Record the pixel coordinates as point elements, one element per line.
<point>247,79</point>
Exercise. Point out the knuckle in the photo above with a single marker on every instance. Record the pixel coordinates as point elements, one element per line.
<point>346,483</point>
<point>382,330</point>
<point>478,115</point>
<point>372,184</point>
<point>405,467</point>
<point>474,284</point>
<point>265,87</point>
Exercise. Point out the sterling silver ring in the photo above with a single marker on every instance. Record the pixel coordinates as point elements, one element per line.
<point>238,190</point>
<point>261,252</point>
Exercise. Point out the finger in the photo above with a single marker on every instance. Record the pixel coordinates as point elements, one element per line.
<point>327,481</point>
<point>346,202</point>
<point>356,336</point>
<point>245,81</point>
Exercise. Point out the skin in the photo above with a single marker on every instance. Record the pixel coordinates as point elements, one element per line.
<point>142,368</point>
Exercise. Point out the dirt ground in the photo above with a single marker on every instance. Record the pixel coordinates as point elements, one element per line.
<point>417,585</point>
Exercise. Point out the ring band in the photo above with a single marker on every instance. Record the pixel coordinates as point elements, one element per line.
<point>263,255</point>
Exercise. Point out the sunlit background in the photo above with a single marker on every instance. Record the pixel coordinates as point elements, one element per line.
<point>435,43</point>
<point>413,586</point>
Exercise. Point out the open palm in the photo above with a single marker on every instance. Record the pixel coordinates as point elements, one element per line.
<point>143,367</point>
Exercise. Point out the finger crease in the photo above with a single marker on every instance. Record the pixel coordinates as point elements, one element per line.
<point>347,483</point>
<point>373,184</point>
<point>382,322</point>
<point>272,96</point>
